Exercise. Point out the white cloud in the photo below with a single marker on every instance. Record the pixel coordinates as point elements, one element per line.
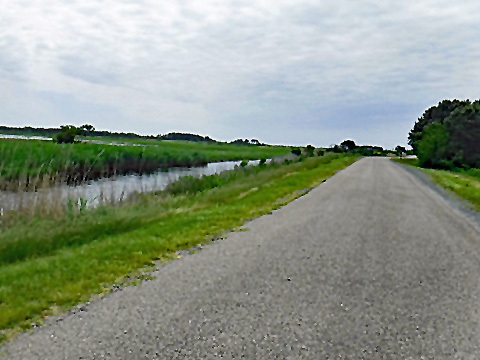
<point>235,68</point>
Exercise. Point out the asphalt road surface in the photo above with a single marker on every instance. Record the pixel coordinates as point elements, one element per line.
<point>372,264</point>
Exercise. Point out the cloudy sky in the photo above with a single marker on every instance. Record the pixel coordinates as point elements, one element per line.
<point>282,71</point>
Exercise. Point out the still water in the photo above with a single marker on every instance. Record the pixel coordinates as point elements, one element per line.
<point>107,190</point>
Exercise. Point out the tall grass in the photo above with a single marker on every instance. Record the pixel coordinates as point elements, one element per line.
<point>29,164</point>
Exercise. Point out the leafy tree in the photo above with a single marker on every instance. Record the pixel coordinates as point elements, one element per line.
<point>463,126</point>
<point>348,145</point>
<point>432,149</point>
<point>67,134</point>
<point>87,127</point>
<point>320,152</point>
<point>309,149</point>
<point>434,114</point>
<point>448,135</point>
<point>400,150</point>
<point>296,151</point>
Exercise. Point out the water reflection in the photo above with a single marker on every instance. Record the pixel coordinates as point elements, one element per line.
<point>107,190</point>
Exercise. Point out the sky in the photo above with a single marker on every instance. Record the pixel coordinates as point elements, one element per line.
<point>290,72</point>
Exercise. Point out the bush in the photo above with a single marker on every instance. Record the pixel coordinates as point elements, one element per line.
<point>67,134</point>
<point>296,151</point>
<point>309,149</point>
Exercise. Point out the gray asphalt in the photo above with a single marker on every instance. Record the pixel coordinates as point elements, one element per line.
<point>372,264</point>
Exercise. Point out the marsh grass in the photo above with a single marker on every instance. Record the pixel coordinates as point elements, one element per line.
<point>26,165</point>
<point>50,265</point>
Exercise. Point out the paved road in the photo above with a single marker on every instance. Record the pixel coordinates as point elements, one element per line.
<point>373,264</point>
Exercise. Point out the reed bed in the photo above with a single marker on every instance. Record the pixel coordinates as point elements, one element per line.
<point>27,165</point>
<point>34,173</point>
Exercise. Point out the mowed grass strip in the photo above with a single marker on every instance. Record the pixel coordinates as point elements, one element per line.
<point>159,225</point>
<point>464,183</point>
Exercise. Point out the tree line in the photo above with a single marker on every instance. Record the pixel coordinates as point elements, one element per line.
<point>447,135</point>
<point>350,147</point>
<point>52,132</point>
<point>68,134</point>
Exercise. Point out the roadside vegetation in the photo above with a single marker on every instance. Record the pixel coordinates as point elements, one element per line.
<point>463,182</point>
<point>49,265</point>
<point>30,164</point>
<point>446,140</point>
<point>447,136</point>
<point>350,147</point>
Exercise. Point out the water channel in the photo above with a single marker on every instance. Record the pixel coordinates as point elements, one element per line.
<point>109,190</point>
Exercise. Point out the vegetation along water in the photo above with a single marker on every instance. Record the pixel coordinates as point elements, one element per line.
<point>30,164</point>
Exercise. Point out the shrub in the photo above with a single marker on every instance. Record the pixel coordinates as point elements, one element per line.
<point>296,151</point>
<point>67,134</point>
<point>309,149</point>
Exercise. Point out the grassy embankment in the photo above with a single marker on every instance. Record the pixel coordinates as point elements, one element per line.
<point>464,183</point>
<point>47,266</point>
<point>32,164</point>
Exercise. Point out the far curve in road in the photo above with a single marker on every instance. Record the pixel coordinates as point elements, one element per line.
<point>372,264</point>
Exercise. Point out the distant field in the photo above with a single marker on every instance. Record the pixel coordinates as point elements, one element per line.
<point>214,151</point>
<point>30,161</point>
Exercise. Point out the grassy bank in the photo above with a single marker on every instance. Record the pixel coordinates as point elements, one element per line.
<point>33,163</point>
<point>48,266</point>
<point>464,183</point>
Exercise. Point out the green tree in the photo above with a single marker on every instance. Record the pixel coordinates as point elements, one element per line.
<point>309,149</point>
<point>296,151</point>
<point>434,114</point>
<point>400,150</point>
<point>67,134</point>
<point>348,145</point>
<point>463,126</point>
<point>86,129</point>
<point>432,149</point>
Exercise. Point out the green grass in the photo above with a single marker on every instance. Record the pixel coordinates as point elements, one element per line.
<point>35,158</point>
<point>48,266</point>
<point>464,183</point>
<point>213,151</point>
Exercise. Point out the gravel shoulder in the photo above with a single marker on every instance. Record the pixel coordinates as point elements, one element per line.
<point>372,264</point>
<point>463,207</point>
